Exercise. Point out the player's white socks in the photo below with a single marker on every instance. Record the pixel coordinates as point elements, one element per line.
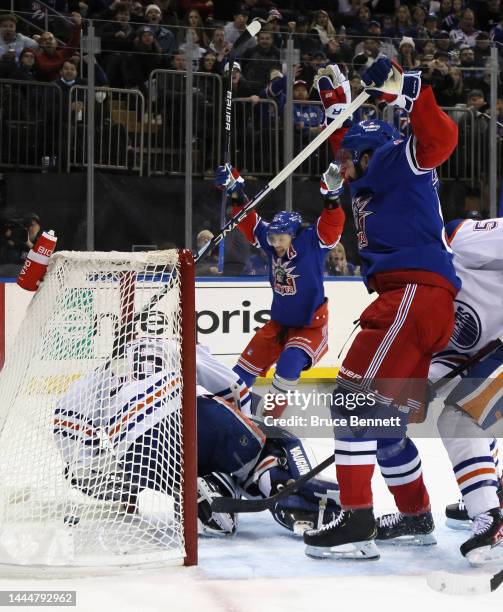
<point>278,397</point>
<point>472,459</point>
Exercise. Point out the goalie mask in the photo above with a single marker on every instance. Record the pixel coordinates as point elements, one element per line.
<point>147,356</point>
<point>216,484</point>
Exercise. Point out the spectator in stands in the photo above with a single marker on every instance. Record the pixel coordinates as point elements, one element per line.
<point>68,77</point>
<point>482,49</point>
<point>407,56</point>
<point>488,14</point>
<point>24,71</point>
<point>337,264</point>
<point>12,43</point>
<point>116,39</point>
<point>303,40</point>
<point>179,62</point>
<point>402,23</point>
<point>385,46</point>
<point>466,33</point>
<point>258,62</point>
<point>50,58</point>
<point>451,21</point>
<point>442,40</point>
<point>418,30</point>
<point>431,25</point>
<point>472,79</point>
<point>446,81</point>
<point>146,57</point>
<point>475,100</point>
<point>497,35</point>
<point>236,250</point>
<point>428,51</point>
<point>307,118</point>
<point>193,21</point>
<point>361,23</point>
<point>274,18</point>
<point>203,7</point>
<point>371,51</point>
<point>18,235</point>
<point>198,50</point>
<point>241,86</point>
<point>163,35</point>
<point>208,63</point>
<point>234,29</point>
<point>257,264</point>
<point>208,266</point>
<point>137,13</point>
<point>323,27</point>
<point>169,14</point>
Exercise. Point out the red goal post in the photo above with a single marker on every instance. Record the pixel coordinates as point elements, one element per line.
<point>98,447</point>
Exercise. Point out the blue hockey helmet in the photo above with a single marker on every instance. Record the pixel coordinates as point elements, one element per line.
<point>285,223</point>
<point>368,135</point>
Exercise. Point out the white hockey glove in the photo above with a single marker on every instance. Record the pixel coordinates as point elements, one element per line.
<point>334,90</point>
<point>385,80</point>
<point>332,182</point>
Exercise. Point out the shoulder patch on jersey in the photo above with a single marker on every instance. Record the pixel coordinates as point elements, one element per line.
<point>467,326</point>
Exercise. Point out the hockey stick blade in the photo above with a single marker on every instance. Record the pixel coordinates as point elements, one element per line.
<point>227,504</point>
<point>461,584</point>
<point>251,30</point>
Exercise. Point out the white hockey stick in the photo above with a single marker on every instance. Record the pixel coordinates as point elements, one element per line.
<point>283,174</point>
<point>461,584</point>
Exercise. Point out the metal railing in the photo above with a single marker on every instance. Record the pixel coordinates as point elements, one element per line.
<point>255,136</point>
<point>166,122</point>
<point>119,127</point>
<point>42,129</point>
<point>30,125</point>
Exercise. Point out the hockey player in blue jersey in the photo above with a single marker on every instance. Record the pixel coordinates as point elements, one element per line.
<point>296,337</point>
<point>407,262</point>
<point>114,429</point>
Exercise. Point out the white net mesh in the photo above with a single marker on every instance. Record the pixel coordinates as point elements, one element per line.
<point>90,416</point>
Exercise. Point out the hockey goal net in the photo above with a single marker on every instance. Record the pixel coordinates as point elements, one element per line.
<point>97,416</point>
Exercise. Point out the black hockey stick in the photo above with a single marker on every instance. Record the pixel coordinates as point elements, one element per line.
<point>227,504</point>
<point>251,30</point>
<point>485,351</point>
<point>461,584</point>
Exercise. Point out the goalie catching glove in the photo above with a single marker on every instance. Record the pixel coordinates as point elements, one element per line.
<point>228,178</point>
<point>385,80</point>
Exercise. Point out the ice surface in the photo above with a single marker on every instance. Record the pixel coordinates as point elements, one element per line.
<point>263,568</point>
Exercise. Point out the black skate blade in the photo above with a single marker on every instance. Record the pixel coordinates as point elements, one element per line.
<point>360,551</point>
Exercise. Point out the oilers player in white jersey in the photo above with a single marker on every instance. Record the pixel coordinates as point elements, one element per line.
<point>473,402</point>
<point>114,429</point>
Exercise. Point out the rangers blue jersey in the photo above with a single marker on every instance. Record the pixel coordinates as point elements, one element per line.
<point>397,215</point>
<point>297,277</point>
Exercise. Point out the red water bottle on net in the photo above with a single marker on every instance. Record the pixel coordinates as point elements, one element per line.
<point>37,260</point>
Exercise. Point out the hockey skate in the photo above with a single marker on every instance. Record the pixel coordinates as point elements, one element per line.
<point>350,536</point>
<point>457,515</point>
<point>486,542</point>
<point>405,530</point>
